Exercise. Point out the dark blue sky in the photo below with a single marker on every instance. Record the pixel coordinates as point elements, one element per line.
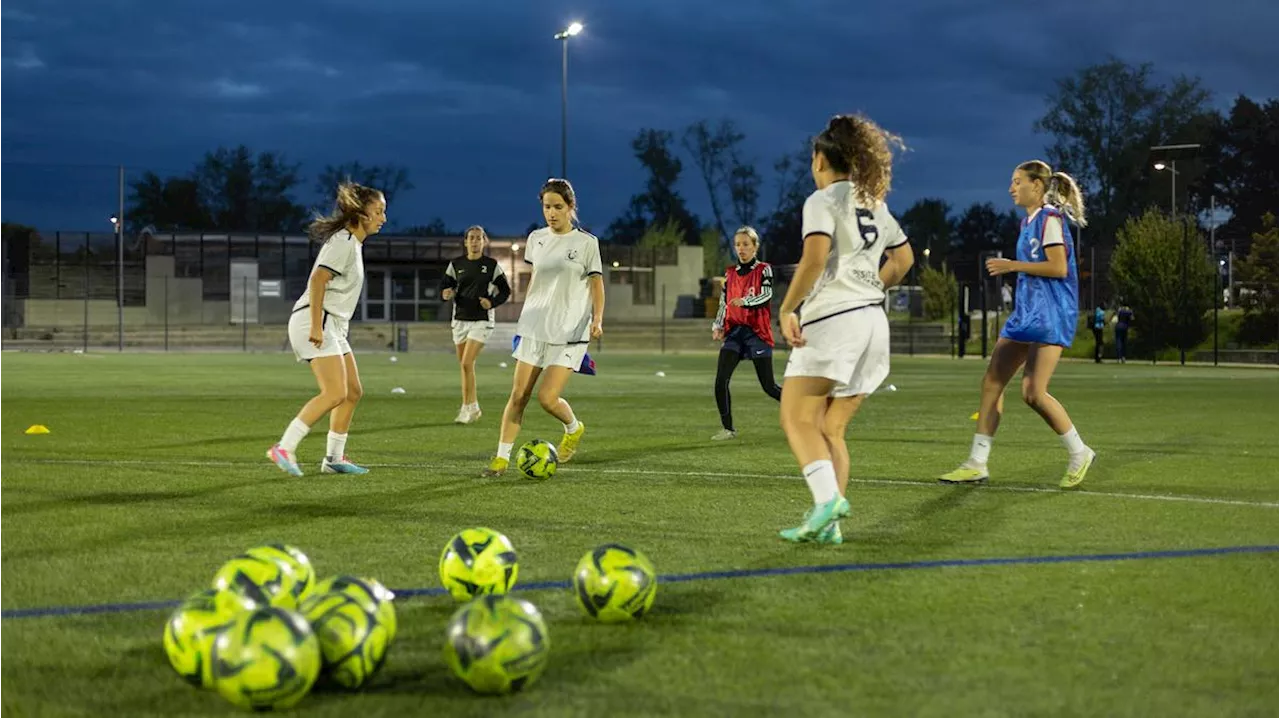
<point>467,95</point>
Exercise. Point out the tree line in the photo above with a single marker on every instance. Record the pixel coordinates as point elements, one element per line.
<point>1101,122</point>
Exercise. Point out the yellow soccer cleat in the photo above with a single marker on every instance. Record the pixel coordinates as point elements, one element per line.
<point>569,444</point>
<point>1075,472</point>
<point>497,467</point>
<point>965,475</point>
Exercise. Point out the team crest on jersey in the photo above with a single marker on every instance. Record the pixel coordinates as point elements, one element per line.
<point>572,254</point>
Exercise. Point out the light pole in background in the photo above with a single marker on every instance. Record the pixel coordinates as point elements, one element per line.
<point>1172,166</point>
<point>1171,152</point>
<point>563,36</point>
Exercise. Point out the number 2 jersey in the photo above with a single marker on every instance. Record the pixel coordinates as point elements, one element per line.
<point>1045,309</point>
<point>859,237</point>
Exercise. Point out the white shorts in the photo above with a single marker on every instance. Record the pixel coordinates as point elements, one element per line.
<point>477,331</point>
<point>543,354</point>
<point>335,336</point>
<point>851,349</point>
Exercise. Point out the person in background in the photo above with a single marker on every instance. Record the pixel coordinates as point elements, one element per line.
<point>1122,319</point>
<point>1099,323</point>
<point>745,325</point>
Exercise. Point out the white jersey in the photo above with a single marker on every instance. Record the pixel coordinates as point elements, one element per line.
<point>342,255</point>
<point>859,237</point>
<point>557,305</point>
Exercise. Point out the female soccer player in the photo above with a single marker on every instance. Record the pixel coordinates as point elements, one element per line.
<point>840,339</point>
<point>745,323</point>
<point>563,311</point>
<point>318,326</point>
<point>1043,322</point>
<point>476,285</point>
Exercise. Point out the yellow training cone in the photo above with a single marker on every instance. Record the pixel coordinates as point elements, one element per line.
<point>974,417</point>
<point>37,429</point>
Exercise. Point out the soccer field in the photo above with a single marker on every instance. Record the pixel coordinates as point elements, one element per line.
<point>1152,591</point>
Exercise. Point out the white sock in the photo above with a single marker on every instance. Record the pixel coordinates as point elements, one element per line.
<point>572,426</point>
<point>821,477</point>
<point>504,451</point>
<point>981,449</point>
<point>1073,442</point>
<point>337,446</point>
<point>293,434</point>
<point>474,406</point>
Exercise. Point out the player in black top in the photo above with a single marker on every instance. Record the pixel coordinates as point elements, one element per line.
<point>476,285</point>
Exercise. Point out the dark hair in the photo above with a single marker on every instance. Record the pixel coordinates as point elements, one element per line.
<point>856,146</point>
<point>562,188</point>
<point>350,206</point>
<point>475,228</point>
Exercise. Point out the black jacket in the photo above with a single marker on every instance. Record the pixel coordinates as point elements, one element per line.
<point>472,279</point>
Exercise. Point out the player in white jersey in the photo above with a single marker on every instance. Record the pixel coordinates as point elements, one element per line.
<point>839,335</point>
<point>318,326</point>
<point>563,311</point>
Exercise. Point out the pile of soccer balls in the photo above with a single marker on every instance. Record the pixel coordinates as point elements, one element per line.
<point>499,644</point>
<point>265,631</point>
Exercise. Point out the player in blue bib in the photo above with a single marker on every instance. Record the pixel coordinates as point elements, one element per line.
<point>1043,322</point>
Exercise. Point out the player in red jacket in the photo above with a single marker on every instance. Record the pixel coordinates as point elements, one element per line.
<point>745,324</point>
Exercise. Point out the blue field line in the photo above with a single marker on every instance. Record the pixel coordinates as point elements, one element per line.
<point>718,575</point>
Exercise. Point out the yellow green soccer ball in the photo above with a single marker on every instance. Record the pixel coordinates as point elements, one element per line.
<point>497,644</point>
<point>267,659</point>
<point>353,644</point>
<point>615,583</point>
<point>265,579</point>
<point>192,627</point>
<point>375,598</point>
<point>478,562</point>
<point>537,460</point>
<point>304,575</point>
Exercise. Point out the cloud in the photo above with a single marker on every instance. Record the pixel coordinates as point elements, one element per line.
<point>232,90</point>
<point>27,59</point>
<point>467,95</point>
<point>9,14</point>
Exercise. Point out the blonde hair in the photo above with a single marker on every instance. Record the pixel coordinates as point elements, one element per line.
<point>750,232</point>
<point>476,228</point>
<point>1060,190</point>
<point>858,147</point>
<point>350,206</point>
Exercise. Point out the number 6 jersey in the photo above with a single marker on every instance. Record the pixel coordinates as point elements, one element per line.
<point>859,237</point>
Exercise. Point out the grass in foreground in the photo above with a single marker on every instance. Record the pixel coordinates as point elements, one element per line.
<point>153,476</point>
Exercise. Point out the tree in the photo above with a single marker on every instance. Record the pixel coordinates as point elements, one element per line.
<point>1241,167</point>
<point>928,225</point>
<point>1104,121</point>
<point>390,179</point>
<point>659,203</point>
<point>941,292</point>
<point>982,229</point>
<point>435,228</point>
<point>782,227</point>
<point>731,183</point>
<point>1161,270</point>
<point>167,204</point>
<point>713,255</point>
<point>1259,273</point>
<point>244,192</point>
<point>666,235</point>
